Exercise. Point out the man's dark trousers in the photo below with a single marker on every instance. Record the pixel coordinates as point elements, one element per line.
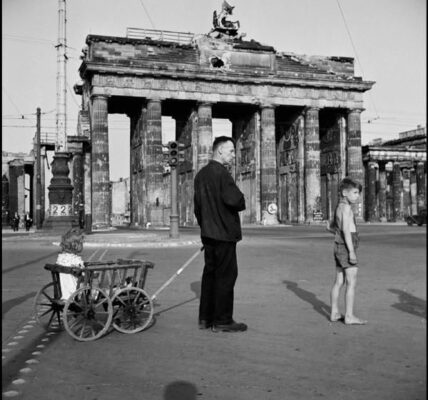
<point>218,281</point>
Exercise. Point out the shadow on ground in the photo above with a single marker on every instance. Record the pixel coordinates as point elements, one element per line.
<point>180,390</point>
<point>410,304</point>
<point>9,304</point>
<point>195,288</point>
<point>319,306</point>
<point>29,263</point>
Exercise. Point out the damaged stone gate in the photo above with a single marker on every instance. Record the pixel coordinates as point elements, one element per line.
<point>296,121</point>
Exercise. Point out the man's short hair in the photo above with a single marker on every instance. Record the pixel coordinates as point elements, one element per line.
<point>348,183</point>
<point>222,139</point>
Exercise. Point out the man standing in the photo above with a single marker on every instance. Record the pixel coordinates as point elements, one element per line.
<point>217,203</point>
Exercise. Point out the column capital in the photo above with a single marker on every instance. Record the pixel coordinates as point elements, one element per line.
<point>99,96</point>
<point>354,110</point>
<point>373,164</point>
<point>267,105</point>
<point>154,100</point>
<point>205,103</point>
<point>310,108</point>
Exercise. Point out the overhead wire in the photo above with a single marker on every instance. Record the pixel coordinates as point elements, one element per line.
<point>358,59</point>
<point>148,15</point>
<point>34,40</point>
<point>12,102</point>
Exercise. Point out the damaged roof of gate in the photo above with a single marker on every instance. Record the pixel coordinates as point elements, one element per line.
<point>201,52</point>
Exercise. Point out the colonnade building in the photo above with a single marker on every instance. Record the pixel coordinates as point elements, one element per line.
<point>296,120</point>
<point>396,175</point>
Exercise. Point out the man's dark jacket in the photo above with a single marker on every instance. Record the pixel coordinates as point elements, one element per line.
<point>217,201</point>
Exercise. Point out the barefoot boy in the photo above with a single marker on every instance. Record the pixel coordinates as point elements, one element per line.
<point>345,244</point>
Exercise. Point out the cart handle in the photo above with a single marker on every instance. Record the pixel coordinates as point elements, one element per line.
<point>186,264</point>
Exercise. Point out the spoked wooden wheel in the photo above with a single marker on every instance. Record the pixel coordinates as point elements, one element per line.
<point>48,309</point>
<point>87,314</point>
<point>133,310</point>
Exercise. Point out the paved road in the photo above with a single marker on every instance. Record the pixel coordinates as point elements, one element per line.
<point>291,350</point>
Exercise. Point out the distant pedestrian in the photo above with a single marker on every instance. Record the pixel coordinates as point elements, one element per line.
<point>346,242</point>
<point>15,222</point>
<point>217,201</point>
<point>71,246</point>
<point>28,221</point>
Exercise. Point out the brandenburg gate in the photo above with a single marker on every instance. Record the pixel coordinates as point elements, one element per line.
<point>296,120</point>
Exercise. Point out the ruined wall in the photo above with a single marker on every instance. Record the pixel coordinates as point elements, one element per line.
<point>122,51</point>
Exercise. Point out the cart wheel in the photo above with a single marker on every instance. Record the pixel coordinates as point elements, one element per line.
<point>47,309</point>
<point>87,314</point>
<point>133,310</point>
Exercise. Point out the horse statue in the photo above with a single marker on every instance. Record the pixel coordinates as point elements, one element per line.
<point>223,27</point>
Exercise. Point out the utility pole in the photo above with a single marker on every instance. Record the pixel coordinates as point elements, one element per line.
<point>175,157</point>
<point>61,79</point>
<point>38,216</point>
<point>173,163</point>
<point>61,216</point>
<point>173,228</point>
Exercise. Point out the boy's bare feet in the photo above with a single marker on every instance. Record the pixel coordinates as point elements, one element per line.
<point>336,317</point>
<point>354,321</point>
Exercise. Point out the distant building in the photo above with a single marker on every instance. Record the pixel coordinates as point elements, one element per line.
<point>395,176</point>
<point>120,207</point>
<point>15,196</point>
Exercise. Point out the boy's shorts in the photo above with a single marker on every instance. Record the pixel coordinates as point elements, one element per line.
<point>341,253</point>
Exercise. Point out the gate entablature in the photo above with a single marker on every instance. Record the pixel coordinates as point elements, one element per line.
<point>250,72</point>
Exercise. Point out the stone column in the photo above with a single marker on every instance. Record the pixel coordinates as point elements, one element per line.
<point>407,201</point>
<point>355,168</point>
<point>43,185</point>
<point>5,201</point>
<point>87,190</point>
<point>371,203</point>
<point>101,195</point>
<point>137,161</point>
<point>154,163</point>
<point>301,170</point>
<point>77,180</point>
<point>343,156</point>
<point>312,163</point>
<point>396,191</point>
<point>413,192</point>
<point>329,200</point>
<point>420,183</point>
<point>268,169</point>
<point>382,193</point>
<point>16,188</point>
<point>205,134</point>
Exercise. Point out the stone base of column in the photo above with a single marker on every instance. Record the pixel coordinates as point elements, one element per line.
<point>269,219</point>
<point>100,226</point>
<point>60,224</point>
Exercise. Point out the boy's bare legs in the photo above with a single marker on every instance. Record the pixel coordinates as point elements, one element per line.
<point>351,282</point>
<point>334,295</point>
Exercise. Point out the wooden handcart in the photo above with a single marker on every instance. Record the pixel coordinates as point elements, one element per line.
<point>108,293</point>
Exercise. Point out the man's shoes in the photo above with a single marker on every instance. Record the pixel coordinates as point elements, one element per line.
<point>203,324</point>
<point>232,327</point>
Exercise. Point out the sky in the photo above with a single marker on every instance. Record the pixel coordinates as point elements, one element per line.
<point>387,39</point>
